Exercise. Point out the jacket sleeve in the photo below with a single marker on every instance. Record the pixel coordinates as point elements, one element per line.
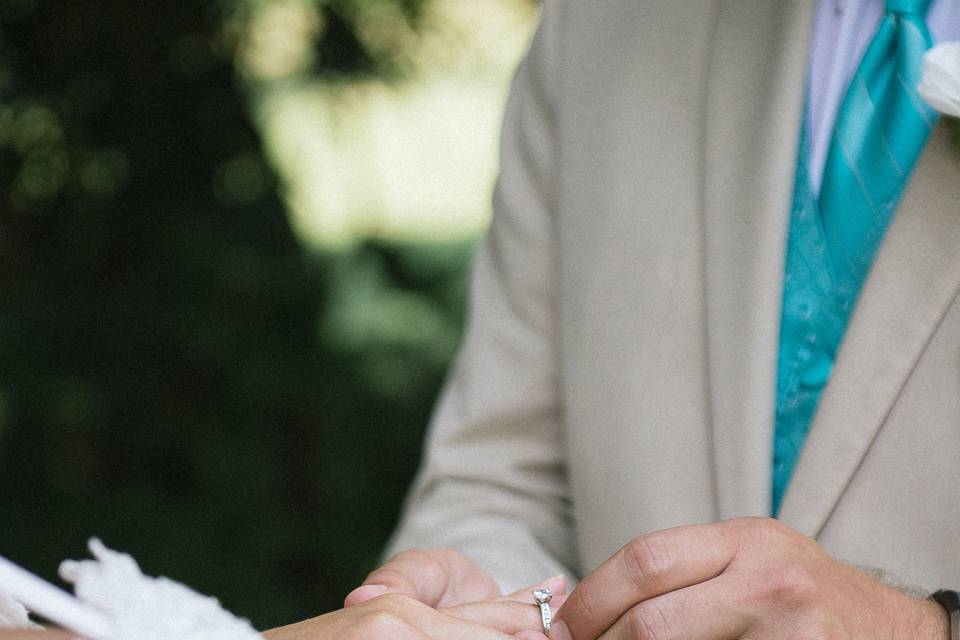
<point>493,481</point>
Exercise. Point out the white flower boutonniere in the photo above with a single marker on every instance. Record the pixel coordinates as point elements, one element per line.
<point>940,85</point>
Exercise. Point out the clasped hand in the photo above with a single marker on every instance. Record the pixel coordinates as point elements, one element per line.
<point>749,578</point>
<point>745,578</point>
<point>374,614</point>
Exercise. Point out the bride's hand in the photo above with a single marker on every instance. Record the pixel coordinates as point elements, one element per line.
<point>398,617</point>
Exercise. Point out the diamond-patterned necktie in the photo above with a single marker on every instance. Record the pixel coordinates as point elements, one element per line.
<point>881,128</point>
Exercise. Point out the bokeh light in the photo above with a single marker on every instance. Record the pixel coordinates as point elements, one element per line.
<point>413,157</point>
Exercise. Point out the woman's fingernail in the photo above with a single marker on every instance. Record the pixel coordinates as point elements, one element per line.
<point>559,631</point>
<point>364,593</point>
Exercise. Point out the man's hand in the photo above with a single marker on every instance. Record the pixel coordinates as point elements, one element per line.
<point>746,578</point>
<point>436,577</point>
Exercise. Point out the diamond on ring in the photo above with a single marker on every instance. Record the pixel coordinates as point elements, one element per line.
<point>543,596</point>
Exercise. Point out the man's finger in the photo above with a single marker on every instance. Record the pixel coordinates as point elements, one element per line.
<point>437,577</point>
<point>707,611</point>
<point>645,568</point>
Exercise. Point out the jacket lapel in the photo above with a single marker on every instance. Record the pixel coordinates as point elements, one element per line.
<point>754,107</point>
<point>913,281</point>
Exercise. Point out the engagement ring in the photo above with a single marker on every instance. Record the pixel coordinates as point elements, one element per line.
<point>542,596</point>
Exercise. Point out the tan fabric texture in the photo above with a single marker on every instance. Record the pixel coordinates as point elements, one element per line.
<point>618,372</point>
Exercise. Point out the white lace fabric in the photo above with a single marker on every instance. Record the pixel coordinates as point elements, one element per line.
<point>139,607</point>
<point>13,614</point>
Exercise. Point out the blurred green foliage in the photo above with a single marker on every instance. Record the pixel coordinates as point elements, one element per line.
<point>177,375</point>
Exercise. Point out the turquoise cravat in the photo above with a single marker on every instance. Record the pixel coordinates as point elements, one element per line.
<point>881,128</point>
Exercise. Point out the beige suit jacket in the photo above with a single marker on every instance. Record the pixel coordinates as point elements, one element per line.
<point>618,372</point>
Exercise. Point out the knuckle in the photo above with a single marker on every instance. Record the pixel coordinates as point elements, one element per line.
<point>431,568</point>
<point>646,621</point>
<point>768,525</point>
<point>764,527</point>
<point>793,586</point>
<point>647,561</point>
<point>768,535</point>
